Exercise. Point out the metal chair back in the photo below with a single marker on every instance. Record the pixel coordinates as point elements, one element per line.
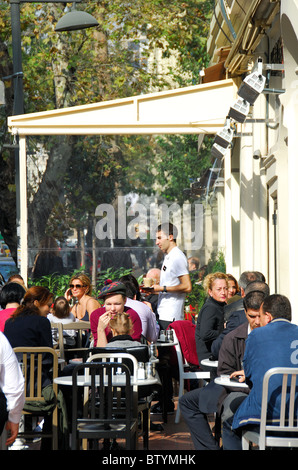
<point>281,431</point>
<point>32,360</point>
<point>111,412</point>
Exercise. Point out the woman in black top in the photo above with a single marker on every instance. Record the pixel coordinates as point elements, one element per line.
<point>29,326</point>
<point>210,321</point>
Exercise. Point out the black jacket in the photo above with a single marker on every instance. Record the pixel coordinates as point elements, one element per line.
<point>210,324</point>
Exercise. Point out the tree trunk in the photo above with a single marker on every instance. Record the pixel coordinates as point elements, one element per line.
<point>48,191</point>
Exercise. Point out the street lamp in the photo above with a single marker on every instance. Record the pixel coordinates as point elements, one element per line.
<point>75,20</point>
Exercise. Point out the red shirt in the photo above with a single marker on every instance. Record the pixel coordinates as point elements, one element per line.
<point>136,321</point>
<point>4,315</point>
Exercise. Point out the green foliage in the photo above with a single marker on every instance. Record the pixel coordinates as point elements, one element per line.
<point>101,64</point>
<point>58,283</point>
<point>216,263</point>
<point>111,273</point>
<point>177,164</point>
<point>197,296</point>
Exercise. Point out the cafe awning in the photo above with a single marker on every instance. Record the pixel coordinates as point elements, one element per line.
<point>195,109</point>
<point>199,109</point>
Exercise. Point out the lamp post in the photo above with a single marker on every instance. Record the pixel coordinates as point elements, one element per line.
<point>73,20</point>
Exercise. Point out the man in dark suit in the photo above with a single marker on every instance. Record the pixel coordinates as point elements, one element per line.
<point>268,347</point>
<point>197,404</point>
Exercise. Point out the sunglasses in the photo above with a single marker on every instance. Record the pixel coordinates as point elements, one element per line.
<point>78,286</point>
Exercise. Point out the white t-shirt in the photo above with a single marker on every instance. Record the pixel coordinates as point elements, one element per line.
<point>147,316</point>
<point>69,335</point>
<point>11,380</point>
<point>171,304</point>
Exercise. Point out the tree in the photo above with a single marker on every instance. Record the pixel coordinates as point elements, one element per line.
<point>88,66</point>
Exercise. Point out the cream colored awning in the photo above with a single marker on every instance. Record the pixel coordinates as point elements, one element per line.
<point>190,110</point>
<point>200,109</point>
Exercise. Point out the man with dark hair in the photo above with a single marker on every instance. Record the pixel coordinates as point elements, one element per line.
<point>245,279</point>
<point>174,278</point>
<point>174,284</point>
<point>193,263</point>
<point>133,300</point>
<point>273,345</point>
<point>197,404</point>
<point>238,316</point>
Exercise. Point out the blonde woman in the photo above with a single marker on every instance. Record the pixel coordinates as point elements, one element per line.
<point>211,316</point>
<point>80,289</point>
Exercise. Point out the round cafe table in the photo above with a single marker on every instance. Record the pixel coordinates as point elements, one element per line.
<point>118,379</point>
<point>227,382</point>
<point>208,363</point>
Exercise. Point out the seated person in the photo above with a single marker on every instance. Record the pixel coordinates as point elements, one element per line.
<point>197,404</point>
<point>266,348</point>
<point>61,314</point>
<point>114,296</point>
<point>146,314</point>
<point>121,327</point>
<point>210,322</point>
<point>11,296</point>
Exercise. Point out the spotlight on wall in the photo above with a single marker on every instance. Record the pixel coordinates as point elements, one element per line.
<point>225,136</point>
<point>257,154</point>
<point>252,85</point>
<point>217,151</point>
<point>239,110</point>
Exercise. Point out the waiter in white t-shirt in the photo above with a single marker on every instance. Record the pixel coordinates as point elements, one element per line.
<point>174,278</point>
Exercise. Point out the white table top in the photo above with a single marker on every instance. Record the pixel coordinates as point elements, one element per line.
<point>229,383</point>
<point>119,379</point>
<point>207,362</point>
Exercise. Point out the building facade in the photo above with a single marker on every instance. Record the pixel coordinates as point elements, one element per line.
<point>260,166</point>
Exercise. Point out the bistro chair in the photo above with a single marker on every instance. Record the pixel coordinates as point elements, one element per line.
<point>146,393</point>
<point>111,411</point>
<point>80,327</point>
<point>187,371</point>
<point>31,360</point>
<point>283,430</point>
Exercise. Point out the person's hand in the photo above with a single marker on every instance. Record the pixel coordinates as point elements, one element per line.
<point>68,294</point>
<point>12,429</point>
<point>157,288</point>
<point>103,321</point>
<point>239,374</point>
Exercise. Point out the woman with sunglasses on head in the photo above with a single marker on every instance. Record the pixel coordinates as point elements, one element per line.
<point>80,289</point>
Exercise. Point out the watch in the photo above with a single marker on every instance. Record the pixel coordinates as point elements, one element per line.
<point>164,288</point>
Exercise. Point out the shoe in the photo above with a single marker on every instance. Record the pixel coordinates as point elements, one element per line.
<point>157,408</point>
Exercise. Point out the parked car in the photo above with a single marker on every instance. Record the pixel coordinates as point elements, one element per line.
<point>7,268</point>
<point>4,250</point>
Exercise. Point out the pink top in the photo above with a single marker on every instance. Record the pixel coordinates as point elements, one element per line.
<point>4,315</point>
<point>136,321</point>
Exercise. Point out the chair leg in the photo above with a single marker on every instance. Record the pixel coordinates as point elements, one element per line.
<point>146,427</point>
<point>181,389</point>
<point>177,417</point>
<point>3,438</point>
<point>245,443</point>
<point>55,430</point>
